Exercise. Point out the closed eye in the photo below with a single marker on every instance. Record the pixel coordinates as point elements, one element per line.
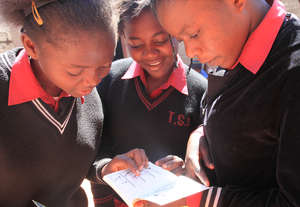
<point>135,46</point>
<point>74,74</point>
<point>195,35</point>
<point>161,42</point>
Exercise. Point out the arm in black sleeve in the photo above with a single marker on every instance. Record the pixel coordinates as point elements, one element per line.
<point>287,192</point>
<point>104,151</point>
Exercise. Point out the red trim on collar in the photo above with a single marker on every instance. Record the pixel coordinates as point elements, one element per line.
<point>261,40</point>
<point>177,78</point>
<point>24,86</point>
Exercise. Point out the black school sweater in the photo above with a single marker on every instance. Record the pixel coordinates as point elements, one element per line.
<point>132,120</point>
<point>252,127</point>
<point>45,155</point>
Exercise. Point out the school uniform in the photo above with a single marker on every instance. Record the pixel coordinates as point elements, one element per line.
<point>252,116</point>
<point>47,145</point>
<point>159,122</point>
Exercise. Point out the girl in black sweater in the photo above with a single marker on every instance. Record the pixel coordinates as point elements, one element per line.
<point>151,101</point>
<point>50,112</point>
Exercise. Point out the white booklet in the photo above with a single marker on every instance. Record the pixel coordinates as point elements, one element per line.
<point>154,184</point>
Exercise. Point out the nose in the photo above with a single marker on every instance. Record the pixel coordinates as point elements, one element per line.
<point>150,52</point>
<point>92,77</point>
<point>191,50</point>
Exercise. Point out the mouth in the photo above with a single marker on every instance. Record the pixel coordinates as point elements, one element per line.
<point>153,63</point>
<point>212,62</point>
<point>86,91</point>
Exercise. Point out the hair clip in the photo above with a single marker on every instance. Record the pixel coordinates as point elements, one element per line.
<point>36,15</point>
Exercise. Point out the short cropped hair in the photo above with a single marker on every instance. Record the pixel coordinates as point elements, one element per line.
<point>63,15</point>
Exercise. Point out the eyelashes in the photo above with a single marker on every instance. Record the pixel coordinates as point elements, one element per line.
<point>195,35</point>
<point>157,43</point>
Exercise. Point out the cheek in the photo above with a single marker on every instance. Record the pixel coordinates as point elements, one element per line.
<point>103,73</point>
<point>167,50</point>
<point>70,84</point>
<point>136,54</point>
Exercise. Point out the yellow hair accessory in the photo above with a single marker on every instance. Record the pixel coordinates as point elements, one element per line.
<point>36,14</point>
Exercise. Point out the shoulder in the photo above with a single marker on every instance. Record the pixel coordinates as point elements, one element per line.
<point>7,60</point>
<point>92,105</point>
<point>283,61</point>
<point>118,69</point>
<point>286,48</point>
<point>195,81</point>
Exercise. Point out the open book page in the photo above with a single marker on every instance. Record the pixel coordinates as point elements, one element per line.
<point>154,184</point>
<point>181,188</point>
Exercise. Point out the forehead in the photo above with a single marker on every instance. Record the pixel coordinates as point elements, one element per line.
<point>90,48</point>
<point>146,22</point>
<point>182,14</point>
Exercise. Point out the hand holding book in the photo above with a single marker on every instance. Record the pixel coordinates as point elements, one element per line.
<point>154,186</point>
<point>134,160</point>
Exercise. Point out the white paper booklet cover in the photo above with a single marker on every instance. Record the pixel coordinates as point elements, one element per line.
<point>154,184</point>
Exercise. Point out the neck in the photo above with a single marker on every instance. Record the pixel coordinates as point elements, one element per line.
<point>45,83</point>
<point>154,82</point>
<point>258,9</point>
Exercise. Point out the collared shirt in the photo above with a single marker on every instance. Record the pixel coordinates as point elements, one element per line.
<point>260,42</point>
<point>24,86</point>
<point>177,79</point>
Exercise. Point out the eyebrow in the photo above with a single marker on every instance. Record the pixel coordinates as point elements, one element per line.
<point>183,29</point>
<point>159,33</point>
<point>134,38</point>
<point>156,34</point>
<point>85,66</point>
<point>79,66</point>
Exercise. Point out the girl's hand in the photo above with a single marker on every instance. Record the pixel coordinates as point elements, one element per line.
<point>134,160</point>
<point>197,153</point>
<point>172,163</point>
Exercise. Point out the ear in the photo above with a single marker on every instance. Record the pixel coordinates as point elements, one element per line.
<point>29,45</point>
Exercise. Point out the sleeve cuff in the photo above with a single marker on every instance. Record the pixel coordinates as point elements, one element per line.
<point>99,165</point>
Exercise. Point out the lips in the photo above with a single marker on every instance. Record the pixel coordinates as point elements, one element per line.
<point>86,91</point>
<point>211,62</point>
<point>153,63</point>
